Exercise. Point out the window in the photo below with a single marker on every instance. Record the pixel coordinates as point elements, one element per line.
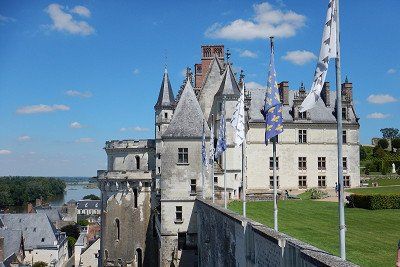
<point>302,136</point>
<point>135,195</point>
<point>215,180</point>
<point>159,169</point>
<point>183,155</point>
<point>302,163</point>
<point>139,257</point>
<point>302,115</point>
<point>302,182</point>
<point>344,137</point>
<point>137,158</point>
<point>117,226</point>
<point>344,113</point>
<point>178,213</point>
<point>158,127</point>
<point>42,239</point>
<point>271,182</point>
<point>322,181</point>
<point>166,115</point>
<point>346,181</point>
<point>321,163</point>
<point>159,155</point>
<point>271,163</point>
<point>220,106</point>
<point>344,163</point>
<point>193,186</point>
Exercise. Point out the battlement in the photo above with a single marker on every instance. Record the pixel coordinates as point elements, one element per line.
<point>124,144</point>
<point>124,175</point>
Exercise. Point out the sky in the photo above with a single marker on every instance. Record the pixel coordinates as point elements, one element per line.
<point>74,74</point>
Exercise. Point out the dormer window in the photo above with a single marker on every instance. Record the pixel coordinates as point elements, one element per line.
<point>344,113</point>
<point>166,115</point>
<point>302,115</point>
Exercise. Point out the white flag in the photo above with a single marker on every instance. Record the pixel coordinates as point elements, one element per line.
<point>212,143</point>
<point>237,121</point>
<point>328,51</point>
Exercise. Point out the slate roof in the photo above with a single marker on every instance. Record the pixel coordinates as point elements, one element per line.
<point>89,204</point>
<point>187,121</point>
<point>166,95</point>
<point>53,214</point>
<point>229,85</point>
<point>319,114</point>
<point>12,242</point>
<point>36,228</point>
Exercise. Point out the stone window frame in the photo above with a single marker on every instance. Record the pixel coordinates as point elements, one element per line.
<point>302,182</point>
<point>344,137</point>
<point>178,214</point>
<point>193,187</point>
<point>302,136</point>
<point>215,180</point>
<point>271,181</point>
<point>302,163</point>
<point>345,163</point>
<point>271,163</point>
<point>322,163</point>
<point>321,181</point>
<point>346,181</point>
<point>183,155</point>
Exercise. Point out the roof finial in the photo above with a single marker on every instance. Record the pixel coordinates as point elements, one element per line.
<point>228,55</point>
<point>241,76</point>
<point>166,60</point>
<point>346,80</point>
<point>188,74</point>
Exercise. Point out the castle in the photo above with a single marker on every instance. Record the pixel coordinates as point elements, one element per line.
<point>150,186</point>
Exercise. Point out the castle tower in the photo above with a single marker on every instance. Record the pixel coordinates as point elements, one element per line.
<point>181,179</point>
<point>164,109</point>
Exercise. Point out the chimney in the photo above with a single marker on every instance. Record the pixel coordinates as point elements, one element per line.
<point>284,92</point>
<point>30,208</point>
<point>207,55</point>
<point>347,89</point>
<point>325,94</point>
<point>1,248</point>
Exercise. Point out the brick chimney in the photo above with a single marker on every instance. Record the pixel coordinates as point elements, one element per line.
<point>207,54</point>
<point>347,89</point>
<point>325,94</point>
<point>284,92</point>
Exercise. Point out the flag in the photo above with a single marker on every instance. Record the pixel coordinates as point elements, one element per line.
<point>272,106</point>
<point>238,119</point>
<point>203,148</point>
<point>212,143</point>
<point>328,51</point>
<point>221,143</point>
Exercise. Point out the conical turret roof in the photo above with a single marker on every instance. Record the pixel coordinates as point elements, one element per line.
<point>166,95</point>
<point>229,85</point>
<point>188,119</point>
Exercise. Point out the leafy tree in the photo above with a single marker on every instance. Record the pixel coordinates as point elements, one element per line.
<point>92,197</point>
<point>363,153</point>
<point>71,230</point>
<point>383,143</point>
<point>39,264</point>
<point>378,152</point>
<point>83,222</point>
<point>390,133</point>
<point>396,143</point>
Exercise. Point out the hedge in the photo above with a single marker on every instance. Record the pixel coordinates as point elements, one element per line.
<point>374,202</point>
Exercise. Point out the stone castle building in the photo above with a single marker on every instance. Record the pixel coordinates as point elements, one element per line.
<point>150,186</point>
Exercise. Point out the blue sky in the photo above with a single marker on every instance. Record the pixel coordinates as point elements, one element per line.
<point>74,74</point>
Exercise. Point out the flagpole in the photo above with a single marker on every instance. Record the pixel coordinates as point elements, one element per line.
<point>202,164</point>
<point>225,198</point>
<point>342,225</point>
<point>244,182</point>
<point>212,160</point>
<point>275,184</point>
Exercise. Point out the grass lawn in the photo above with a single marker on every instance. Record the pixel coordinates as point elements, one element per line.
<point>384,181</point>
<point>376,190</point>
<point>371,236</point>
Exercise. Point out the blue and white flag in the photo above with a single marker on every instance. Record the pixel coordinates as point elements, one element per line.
<point>273,105</point>
<point>238,119</point>
<point>212,143</point>
<point>221,143</point>
<point>203,148</point>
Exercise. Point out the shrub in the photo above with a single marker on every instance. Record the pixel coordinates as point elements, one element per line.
<point>374,202</point>
<point>367,169</point>
<point>363,153</point>
<point>316,193</point>
<point>383,143</point>
<point>39,264</point>
<point>378,152</point>
<point>396,143</point>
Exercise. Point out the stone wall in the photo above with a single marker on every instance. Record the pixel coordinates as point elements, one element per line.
<point>228,239</point>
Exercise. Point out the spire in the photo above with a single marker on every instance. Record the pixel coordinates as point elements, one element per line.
<point>166,95</point>
<point>229,85</point>
<point>188,118</point>
<point>346,80</point>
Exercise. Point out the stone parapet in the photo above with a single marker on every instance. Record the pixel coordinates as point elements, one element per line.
<point>124,175</point>
<point>124,144</point>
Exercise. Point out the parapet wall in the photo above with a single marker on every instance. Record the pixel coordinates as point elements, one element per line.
<point>228,239</point>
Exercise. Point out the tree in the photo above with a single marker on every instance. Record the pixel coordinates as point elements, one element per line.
<point>71,230</point>
<point>39,264</point>
<point>383,143</point>
<point>396,143</point>
<point>363,153</point>
<point>378,152</point>
<point>83,222</point>
<point>390,133</point>
<point>91,197</point>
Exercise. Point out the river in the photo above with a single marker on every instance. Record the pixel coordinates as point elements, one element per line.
<point>76,192</point>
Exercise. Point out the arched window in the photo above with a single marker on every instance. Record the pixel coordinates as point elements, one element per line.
<point>137,162</point>
<point>117,227</point>
<point>135,194</point>
<point>139,257</point>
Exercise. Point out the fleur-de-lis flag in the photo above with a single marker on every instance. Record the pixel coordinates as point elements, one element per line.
<point>273,105</point>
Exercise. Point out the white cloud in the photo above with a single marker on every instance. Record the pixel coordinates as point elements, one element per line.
<point>267,21</point>
<point>32,153</point>
<point>24,138</point>
<point>84,140</point>
<point>75,125</point>
<point>299,57</point>
<point>5,152</point>
<point>41,109</point>
<point>82,11</point>
<point>75,93</point>
<point>4,19</point>
<point>381,99</point>
<point>254,85</point>
<point>136,71</point>
<point>377,115</point>
<point>64,22</point>
<point>248,53</point>
<point>134,129</point>
<point>391,71</point>
<point>123,129</point>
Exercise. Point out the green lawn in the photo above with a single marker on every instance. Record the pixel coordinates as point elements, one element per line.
<point>371,236</point>
<point>376,190</point>
<point>384,181</point>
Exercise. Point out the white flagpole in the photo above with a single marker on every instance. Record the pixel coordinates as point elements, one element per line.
<point>202,163</point>
<point>212,160</point>
<point>244,182</point>
<point>275,184</point>
<point>342,225</point>
<point>225,197</point>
